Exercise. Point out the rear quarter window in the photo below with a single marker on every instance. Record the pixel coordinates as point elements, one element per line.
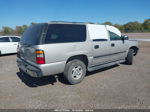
<point>61,33</point>
<point>15,39</point>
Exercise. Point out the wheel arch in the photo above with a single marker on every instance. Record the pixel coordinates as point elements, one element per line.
<point>135,48</point>
<point>81,57</point>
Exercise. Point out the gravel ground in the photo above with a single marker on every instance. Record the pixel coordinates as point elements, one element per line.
<point>120,86</point>
<point>138,35</point>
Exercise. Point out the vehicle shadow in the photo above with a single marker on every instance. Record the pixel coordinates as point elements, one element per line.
<point>36,82</point>
<point>8,54</point>
<point>63,80</point>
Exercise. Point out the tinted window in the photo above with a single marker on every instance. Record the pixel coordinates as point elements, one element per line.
<point>4,39</point>
<point>32,35</point>
<point>15,39</point>
<point>59,33</point>
<point>114,36</point>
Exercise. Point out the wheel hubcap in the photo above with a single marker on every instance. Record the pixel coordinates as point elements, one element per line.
<point>77,72</point>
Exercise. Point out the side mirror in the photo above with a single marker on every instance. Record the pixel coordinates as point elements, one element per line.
<point>124,37</point>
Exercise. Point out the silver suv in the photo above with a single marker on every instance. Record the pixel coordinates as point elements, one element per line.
<point>72,48</point>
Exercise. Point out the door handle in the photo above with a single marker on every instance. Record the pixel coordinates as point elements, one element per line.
<point>14,44</point>
<point>112,45</point>
<point>96,46</point>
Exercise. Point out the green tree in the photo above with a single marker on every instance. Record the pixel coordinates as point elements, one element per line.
<point>33,23</point>
<point>24,27</point>
<point>7,30</point>
<point>129,27</point>
<point>133,27</point>
<point>120,27</point>
<point>20,29</point>
<point>107,23</point>
<point>146,25</point>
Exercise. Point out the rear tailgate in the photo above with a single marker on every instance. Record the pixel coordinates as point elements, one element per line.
<point>27,53</point>
<point>30,40</point>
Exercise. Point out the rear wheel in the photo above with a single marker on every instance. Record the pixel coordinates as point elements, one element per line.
<point>75,71</point>
<point>129,59</point>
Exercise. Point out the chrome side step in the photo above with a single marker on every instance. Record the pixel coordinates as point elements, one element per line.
<point>96,67</point>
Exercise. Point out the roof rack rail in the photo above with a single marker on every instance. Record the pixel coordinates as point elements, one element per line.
<point>73,22</point>
<point>60,21</point>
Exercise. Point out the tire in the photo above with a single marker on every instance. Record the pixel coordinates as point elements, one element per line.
<point>75,71</point>
<point>129,59</point>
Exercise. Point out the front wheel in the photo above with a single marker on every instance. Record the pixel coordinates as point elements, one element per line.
<point>75,71</point>
<point>129,59</point>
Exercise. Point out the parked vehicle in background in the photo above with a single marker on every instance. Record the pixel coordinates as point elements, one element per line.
<point>8,44</point>
<point>72,48</point>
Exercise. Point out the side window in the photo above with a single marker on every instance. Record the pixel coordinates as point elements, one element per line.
<point>114,36</point>
<point>4,39</point>
<point>97,32</point>
<point>15,39</point>
<point>60,33</point>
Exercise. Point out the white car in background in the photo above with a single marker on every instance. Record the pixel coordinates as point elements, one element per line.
<point>8,44</point>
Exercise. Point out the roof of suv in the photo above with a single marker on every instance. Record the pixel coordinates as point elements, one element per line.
<point>66,22</point>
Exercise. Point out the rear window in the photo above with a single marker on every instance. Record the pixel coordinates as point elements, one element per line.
<point>60,33</point>
<point>4,39</point>
<point>32,35</point>
<point>15,39</point>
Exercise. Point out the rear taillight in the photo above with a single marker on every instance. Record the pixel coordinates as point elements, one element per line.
<point>40,58</point>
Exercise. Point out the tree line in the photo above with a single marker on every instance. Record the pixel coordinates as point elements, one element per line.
<point>132,27</point>
<point>125,28</point>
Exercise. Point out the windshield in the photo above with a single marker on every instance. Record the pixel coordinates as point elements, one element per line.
<point>32,35</point>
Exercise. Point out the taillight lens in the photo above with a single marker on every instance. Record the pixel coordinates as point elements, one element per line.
<point>40,58</point>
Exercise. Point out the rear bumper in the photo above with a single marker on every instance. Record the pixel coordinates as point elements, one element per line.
<point>28,68</point>
<point>36,70</point>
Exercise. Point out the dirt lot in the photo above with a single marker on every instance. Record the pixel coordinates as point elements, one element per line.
<point>138,35</point>
<point>121,86</point>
